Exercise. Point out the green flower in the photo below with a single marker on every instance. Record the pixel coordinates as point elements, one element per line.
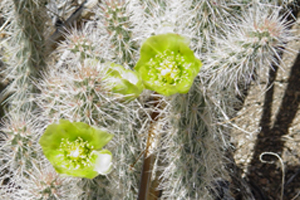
<point>124,81</point>
<point>75,149</point>
<point>167,64</point>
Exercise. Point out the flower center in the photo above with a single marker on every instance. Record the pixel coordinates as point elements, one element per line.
<point>76,153</point>
<point>167,68</point>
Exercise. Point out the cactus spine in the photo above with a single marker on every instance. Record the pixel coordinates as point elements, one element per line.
<point>181,138</point>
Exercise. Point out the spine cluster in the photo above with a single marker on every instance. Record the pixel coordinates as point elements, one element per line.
<point>185,135</point>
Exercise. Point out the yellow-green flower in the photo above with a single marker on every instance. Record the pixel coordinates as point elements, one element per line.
<point>75,149</point>
<point>124,81</point>
<point>167,65</point>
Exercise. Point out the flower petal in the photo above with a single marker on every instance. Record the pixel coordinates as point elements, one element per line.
<point>100,137</point>
<point>103,162</point>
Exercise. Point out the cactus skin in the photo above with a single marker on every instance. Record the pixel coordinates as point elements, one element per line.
<point>116,20</point>
<point>190,147</point>
<point>25,173</point>
<point>26,48</point>
<point>236,43</point>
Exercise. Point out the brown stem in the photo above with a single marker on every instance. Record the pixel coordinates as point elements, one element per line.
<point>145,189</point>
<point>79,14</point>
<point>146,177</point>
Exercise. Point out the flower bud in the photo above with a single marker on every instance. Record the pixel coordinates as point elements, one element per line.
<point>124,81</point>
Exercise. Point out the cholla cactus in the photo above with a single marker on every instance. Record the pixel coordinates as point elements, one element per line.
<point>25,173</point>
<point>115,17</point>
<point>18,146</point>
<point>24,49</point>
<point>42,182</point>
<point>134,69</point>
<point>252,44</point>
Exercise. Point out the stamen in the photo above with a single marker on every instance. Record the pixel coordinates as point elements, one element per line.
<point>167,68</point>
<point>76,153</point>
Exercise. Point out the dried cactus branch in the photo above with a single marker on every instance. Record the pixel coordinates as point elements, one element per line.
<point>81,13</point>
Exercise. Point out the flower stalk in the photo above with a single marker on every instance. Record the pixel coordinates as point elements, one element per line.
<point>146,190</point>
